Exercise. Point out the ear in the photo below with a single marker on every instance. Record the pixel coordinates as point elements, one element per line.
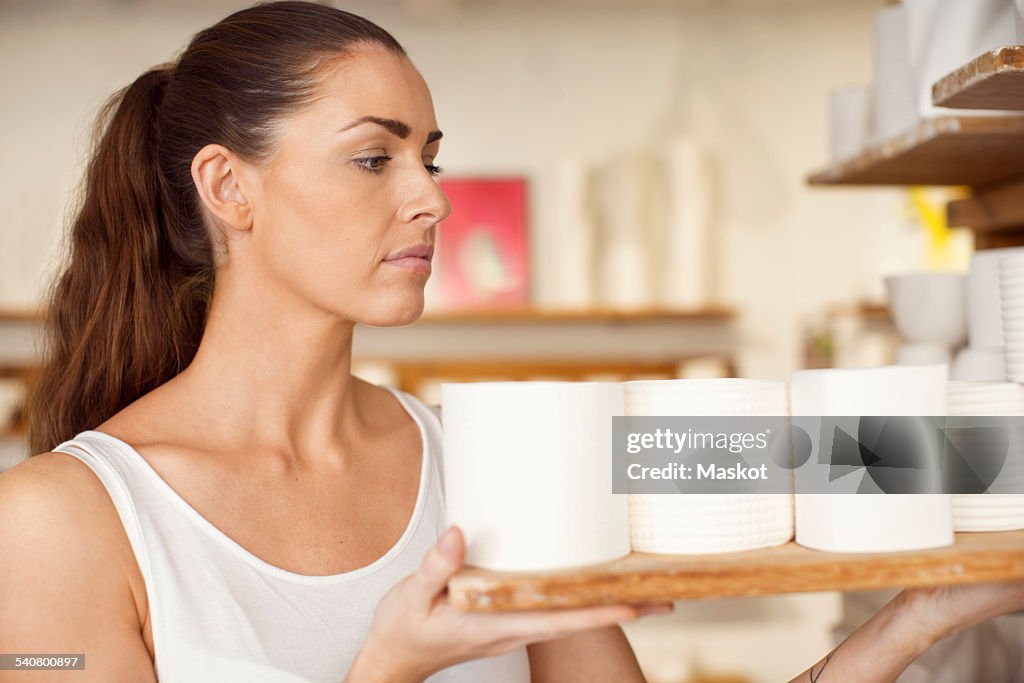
<point>218,175</point>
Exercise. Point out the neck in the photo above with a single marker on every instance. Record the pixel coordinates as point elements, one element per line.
<point>273,373</point>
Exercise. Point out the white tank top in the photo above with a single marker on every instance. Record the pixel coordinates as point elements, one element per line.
<point>221,614</point>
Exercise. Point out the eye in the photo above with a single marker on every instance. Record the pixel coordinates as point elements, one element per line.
<point>434,170</point>
<point>373,164</point>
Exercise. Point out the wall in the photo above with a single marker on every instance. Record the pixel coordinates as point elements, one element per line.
<point>516,91</point>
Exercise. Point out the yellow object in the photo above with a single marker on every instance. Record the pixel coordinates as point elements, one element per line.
<point>928,206</point>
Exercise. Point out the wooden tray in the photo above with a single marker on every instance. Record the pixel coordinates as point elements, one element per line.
<point>642,577</point>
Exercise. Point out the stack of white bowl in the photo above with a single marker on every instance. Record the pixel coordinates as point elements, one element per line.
<point>982,360</point>
<point>682,523</point>
<point>1011,293</point>
<point>930,313</point>
<point>991,511</point>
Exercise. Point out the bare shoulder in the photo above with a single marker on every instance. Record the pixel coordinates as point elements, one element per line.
<point>54,493</point>
<point>65,585</point>
<point>49,491</point>
<point>58,515</point>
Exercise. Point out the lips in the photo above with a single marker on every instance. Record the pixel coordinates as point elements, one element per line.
<point>423,251</point>
<point>415,258</point>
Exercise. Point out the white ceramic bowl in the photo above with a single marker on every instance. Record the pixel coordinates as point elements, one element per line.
<point>978,365</point>
<point>929,307</point>
<point>922,354</point>
<point>1011,262</point>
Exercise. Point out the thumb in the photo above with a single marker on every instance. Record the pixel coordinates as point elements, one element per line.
<point>442,561</point>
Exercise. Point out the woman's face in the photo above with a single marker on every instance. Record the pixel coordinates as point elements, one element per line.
<point>350,187</point>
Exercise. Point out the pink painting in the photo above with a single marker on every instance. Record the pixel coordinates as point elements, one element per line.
<point>482,255</point>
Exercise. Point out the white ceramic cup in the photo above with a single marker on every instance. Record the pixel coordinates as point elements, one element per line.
<point>929,308</point>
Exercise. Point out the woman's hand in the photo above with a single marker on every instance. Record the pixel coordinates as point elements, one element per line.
<point>415,631</point>
<point>944,610</point>
<point>885,645</point>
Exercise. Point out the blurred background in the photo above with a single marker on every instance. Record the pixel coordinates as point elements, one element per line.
<point>650,159</point>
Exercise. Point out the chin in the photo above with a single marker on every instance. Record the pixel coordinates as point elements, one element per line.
<point>396,312</point>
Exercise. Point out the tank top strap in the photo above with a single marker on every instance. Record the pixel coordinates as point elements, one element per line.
<point>430,417</point>
<point>119,481</point>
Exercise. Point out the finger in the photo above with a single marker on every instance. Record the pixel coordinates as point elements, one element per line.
<point>441,562</point>
<point>655,608</point>
<point>554,623</point>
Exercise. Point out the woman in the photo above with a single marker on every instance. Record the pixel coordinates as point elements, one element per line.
<point>217,498</point>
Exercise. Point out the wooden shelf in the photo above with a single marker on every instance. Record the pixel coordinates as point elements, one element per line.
<point>21,315</point>
<point>642,577</point>
<point>18,432</point>
<point>539,315</point>
<point>988,209</point>
<point>995,80</point>
<point>951,150</point>
<point>512,315</point>
<point>860,309</point>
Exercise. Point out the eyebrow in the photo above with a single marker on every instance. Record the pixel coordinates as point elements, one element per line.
<point>393,126</point>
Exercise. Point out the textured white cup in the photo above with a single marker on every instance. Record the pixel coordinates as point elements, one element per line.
<point>708,523</point>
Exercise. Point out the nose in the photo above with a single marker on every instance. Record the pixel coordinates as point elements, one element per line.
<point>427,202</point>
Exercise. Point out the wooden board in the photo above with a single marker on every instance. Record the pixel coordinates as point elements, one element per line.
<point>952,150</point>
<point>531,314</point>
<point>996,207</point>
<point>642,577</point>
<point>995,80</point>
<point>998,239</point>
<point>21,314</point>
<point>514,315</point>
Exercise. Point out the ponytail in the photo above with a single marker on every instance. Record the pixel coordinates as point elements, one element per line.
<point>125,316</point>
<point>128,311</point>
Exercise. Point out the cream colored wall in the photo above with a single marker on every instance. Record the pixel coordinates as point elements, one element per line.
<point>751,83</point>
<point>516,90</point>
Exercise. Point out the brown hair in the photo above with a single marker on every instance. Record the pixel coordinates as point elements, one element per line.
<point>128,310</point>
